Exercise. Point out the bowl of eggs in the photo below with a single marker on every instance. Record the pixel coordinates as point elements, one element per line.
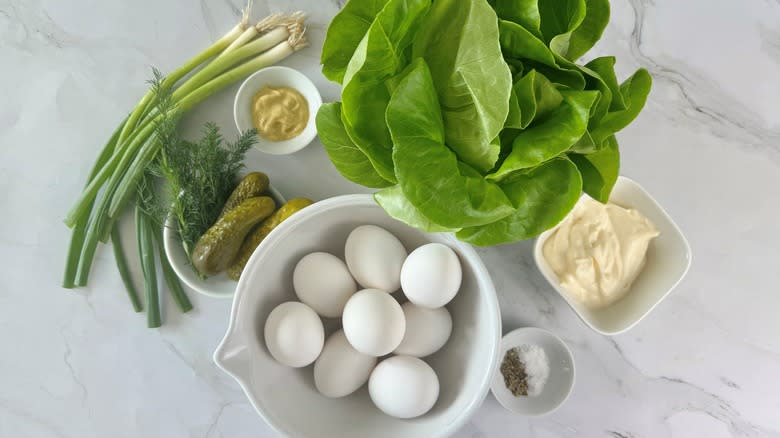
<point>349,323</point>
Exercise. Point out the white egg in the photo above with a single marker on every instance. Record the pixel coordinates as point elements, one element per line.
<point>294,334</point>
<point>323,282</point>
<point>431,275</point>
<point>341,370</point>
<point>403,387</point>
<point>374,257</point>
<point>373,322</point>
<point>427,330</point>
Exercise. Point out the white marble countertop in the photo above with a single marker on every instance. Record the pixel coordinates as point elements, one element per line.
<point>706,362</point>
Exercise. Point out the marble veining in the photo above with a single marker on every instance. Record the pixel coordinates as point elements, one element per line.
<point>703,98</point>
<point>82,364</point>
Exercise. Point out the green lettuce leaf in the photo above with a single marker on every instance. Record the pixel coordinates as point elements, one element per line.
<point>397,205</point>
<point>585,36</point>
<point>634,92</point>
<point>459,42</point>
<point>569,76</point>
<point>378,57</point>
<point>551,136</point>
<point>520,46</point>
<point>532,96</point>
<point>514,117</point>
<point>516,67</point>
<point>586,144</point>
<point>600,75</point>
<point>568,27</point>
<point>543,196</point>
<point>518,42</point>
<point>558,20</point>
<point>344,34</point>
<point>537,97</point>
<point>350,161</point>
<point>612,105</point>
<point>523,12</point>
<point>443,190</point>
<point>599,170</point>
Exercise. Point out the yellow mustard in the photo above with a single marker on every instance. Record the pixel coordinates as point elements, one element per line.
<point>279,113</point>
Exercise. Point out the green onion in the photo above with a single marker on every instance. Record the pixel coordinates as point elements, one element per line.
<point>113,169</point>
<point>91,238</point>
<point>263,25</point>
<point>146,253</point>
<point>121,165</point>
<point>130,124</point>
<point>182,71</point>
<point>80,227</point>
<point>121,265</point>
<point>219,65</point>
<point>174,286</point>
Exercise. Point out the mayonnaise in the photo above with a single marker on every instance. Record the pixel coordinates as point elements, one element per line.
<point>598,251</point>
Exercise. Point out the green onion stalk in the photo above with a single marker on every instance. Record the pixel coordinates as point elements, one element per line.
<point>114,180</point>
<point>144,233</point>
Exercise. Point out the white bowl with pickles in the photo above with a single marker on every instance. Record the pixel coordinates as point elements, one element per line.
<point>208,275</point>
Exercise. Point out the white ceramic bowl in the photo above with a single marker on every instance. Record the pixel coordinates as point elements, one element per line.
<point>277,76</point>
<point>218,286</point>
<point>668,260</point>
<point>287,399</point>
<point>559,383</point>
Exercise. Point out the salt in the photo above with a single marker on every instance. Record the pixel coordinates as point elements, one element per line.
<point>537,367</point>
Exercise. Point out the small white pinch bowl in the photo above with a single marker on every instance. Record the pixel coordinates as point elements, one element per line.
<point>559,384</point>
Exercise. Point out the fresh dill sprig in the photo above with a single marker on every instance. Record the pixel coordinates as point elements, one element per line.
<point>199,176</point>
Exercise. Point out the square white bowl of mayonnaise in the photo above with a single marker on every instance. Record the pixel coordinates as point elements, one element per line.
<point>667,261</point>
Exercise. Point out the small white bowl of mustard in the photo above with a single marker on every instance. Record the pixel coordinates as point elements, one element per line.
<point>281,103</point>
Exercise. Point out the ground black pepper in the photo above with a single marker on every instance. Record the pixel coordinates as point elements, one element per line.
<point>513,370</point>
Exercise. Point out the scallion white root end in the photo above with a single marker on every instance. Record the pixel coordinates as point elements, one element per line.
<point>270,22</point>
<point>246,14</point>
<point>297,39</point>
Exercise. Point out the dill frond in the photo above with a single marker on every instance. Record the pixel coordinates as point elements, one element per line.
<point>199,176</point>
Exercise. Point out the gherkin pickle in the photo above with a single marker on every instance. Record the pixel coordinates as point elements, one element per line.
<point>218,247</point>
<point>255,237</point>
<point>253,184</point>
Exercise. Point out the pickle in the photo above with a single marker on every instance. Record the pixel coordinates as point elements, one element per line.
<point>255,237</point>
<point>217,248</point>
<point>254,184</point>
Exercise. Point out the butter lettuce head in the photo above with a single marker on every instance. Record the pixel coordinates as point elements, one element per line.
<point>473,116</point>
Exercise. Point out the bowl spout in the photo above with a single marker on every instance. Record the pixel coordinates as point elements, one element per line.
<point>233,356</point>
